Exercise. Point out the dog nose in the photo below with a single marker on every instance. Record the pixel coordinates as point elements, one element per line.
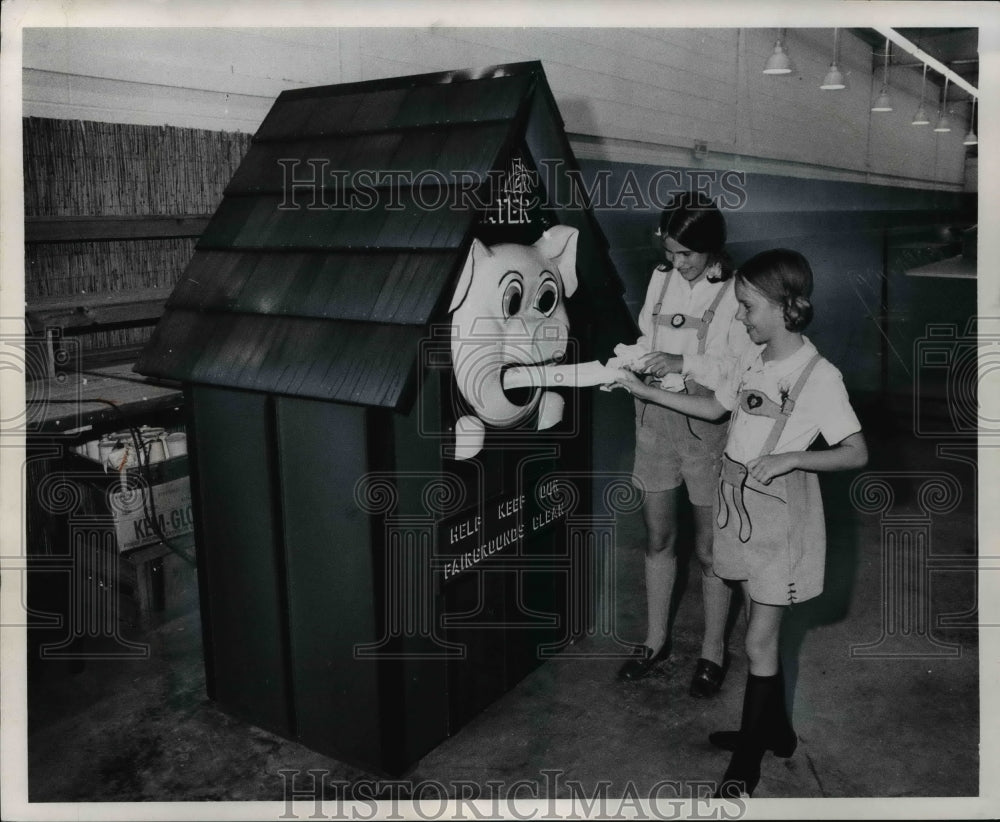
<point>558,356</point>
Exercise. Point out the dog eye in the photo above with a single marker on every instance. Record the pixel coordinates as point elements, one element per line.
<point>512,299</point>
<point>547,297</point>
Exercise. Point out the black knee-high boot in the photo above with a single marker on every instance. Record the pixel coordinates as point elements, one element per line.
<point>743,772</point>
<point>781,737</point>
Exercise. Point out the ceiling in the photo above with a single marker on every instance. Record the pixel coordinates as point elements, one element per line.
<point>957,48</point>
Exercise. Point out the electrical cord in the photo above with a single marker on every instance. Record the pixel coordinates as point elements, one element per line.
<point>148,503</point>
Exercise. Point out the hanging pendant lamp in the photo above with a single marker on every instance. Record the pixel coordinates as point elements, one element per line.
<point>834,80</point>
<point>883,102</point>
<point>778,62</point>
<point>971,139</point>
<point>943,126</point>
<point>920,118</point>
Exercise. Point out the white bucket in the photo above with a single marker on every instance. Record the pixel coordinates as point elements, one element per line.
<point>176,444</point>
<point>153,444</point>
<point>155,451</point>
<point>92,450</point>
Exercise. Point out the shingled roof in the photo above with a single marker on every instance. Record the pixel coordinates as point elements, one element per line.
<point>288,295</point>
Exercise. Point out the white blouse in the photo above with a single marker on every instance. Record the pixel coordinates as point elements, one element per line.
<point>724,344</point>
<point>823,407</point>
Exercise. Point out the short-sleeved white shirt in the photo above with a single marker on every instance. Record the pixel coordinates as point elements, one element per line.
<point>726,338</point>
<point>823,407</point>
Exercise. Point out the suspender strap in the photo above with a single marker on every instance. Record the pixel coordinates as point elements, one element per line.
<point>708,316</point>
<point>788,405</point>
<point>703,323</point>
<point>663,294</point>
<point>706,320</point>
<point>656,310</point>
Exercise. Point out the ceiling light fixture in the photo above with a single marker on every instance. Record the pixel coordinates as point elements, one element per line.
<point>971,139</point>
<point>942,125</point>
<point>883,101</point>
<point>778,62</point>
<point>834,80</point>
<point>920,118</point>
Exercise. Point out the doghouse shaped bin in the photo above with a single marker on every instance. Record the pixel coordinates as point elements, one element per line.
<point>344,602</point>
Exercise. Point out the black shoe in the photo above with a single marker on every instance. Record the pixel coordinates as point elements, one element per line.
<point>707,680</point>
<point>643,663</point>
<point>726,740</point>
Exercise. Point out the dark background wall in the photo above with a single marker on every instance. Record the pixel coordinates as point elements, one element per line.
<point>860,240</point>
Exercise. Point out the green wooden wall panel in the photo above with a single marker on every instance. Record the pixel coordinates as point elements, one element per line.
<point>332,593</point>
<point>417,452</point>
<point>241,556</point>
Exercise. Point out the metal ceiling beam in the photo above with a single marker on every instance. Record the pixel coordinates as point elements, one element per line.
<point>924,57</point>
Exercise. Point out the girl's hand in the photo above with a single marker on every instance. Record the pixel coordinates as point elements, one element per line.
<point>660,363</point>
<point>629,381</point>
<point>766,468</point>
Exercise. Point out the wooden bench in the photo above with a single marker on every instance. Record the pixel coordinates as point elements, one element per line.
<point>58,317</point>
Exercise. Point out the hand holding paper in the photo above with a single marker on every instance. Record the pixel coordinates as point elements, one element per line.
<point>628,356</point>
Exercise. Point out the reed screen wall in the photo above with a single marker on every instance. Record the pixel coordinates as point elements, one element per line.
<point>85,169</point>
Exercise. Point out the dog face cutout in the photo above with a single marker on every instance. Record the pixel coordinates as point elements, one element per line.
<point>507,310</point>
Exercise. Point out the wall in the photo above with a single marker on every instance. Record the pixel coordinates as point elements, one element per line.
<point>631,100</point>
<point>625,94</point>
<point>849,232</point>
<point>115,174</point>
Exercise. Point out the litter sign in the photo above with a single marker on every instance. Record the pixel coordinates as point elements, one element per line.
<point>141,520</point>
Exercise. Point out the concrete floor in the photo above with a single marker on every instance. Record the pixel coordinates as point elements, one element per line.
<point>870,726</point>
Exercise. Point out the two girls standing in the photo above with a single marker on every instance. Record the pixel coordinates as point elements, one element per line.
<point>769,531</point>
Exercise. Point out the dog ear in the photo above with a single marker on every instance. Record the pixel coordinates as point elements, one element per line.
<point>478,251</point>
<point>559,245</point>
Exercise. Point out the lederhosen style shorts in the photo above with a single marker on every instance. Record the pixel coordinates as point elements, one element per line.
<point>771,536</point>
<point>672,449</point>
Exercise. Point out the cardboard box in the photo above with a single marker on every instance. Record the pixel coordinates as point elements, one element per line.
<point>139,506</point>
<point>164,510</point>
<point>145,505</point>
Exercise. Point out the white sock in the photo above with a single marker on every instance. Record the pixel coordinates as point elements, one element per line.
<point>715,594</point>
<point>661,570</point>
